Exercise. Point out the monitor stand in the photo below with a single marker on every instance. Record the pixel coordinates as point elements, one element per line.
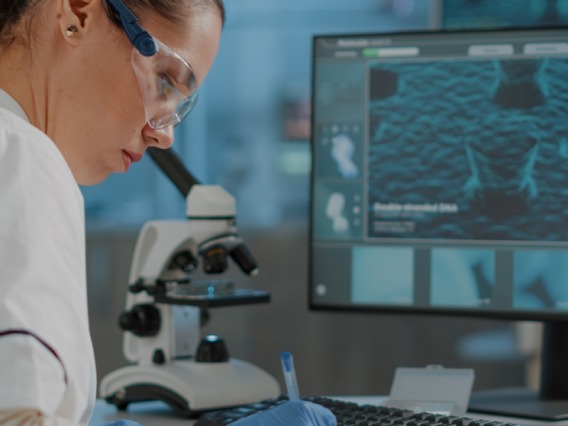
<point>551,401</point>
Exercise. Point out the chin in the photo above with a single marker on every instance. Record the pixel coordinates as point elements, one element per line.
<point>91,180</point>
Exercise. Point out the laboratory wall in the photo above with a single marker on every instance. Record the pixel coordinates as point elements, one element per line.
<point>250,134</point>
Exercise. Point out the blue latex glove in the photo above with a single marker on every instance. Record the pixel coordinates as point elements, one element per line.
<point>122,423</point>
<point>291,413</point>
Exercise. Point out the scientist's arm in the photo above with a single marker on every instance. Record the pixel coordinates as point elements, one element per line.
<point>33,379</point>
<point>32,384</point>
<point>31,417</point>
<point>32,376</point>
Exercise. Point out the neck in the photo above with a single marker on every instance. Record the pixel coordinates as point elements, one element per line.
<point>19,79</point>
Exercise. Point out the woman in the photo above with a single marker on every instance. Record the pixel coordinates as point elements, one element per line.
<point>86,88</point>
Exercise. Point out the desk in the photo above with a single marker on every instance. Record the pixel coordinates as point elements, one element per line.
<point>159,414</point>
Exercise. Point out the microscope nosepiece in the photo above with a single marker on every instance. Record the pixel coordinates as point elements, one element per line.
<point>215,259</point>
<point>244,258</point>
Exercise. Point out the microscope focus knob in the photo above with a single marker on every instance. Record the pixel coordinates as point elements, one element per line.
<point>212,349</point>
<point>141,320</point>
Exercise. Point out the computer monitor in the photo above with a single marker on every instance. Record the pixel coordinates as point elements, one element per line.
<point>439,183</point>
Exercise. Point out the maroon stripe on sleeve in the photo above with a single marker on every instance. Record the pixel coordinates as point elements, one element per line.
<point>40,340</point>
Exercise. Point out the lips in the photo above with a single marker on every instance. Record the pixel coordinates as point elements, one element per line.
<point>129,158</point>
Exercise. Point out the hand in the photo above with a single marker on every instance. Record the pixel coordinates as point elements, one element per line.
<point>292,413</point>
<point>122,423</point>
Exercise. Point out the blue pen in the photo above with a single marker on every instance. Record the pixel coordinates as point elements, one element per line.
<point>290,375</point>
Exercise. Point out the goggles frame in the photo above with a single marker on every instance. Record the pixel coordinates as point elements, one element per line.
<point>152,79</point>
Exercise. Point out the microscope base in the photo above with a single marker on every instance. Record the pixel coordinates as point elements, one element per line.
<point>188,386</point>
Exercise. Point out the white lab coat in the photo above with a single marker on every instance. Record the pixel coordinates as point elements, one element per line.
<point>46,354</point>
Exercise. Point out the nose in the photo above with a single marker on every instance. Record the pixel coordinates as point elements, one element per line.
<point>160,138</point>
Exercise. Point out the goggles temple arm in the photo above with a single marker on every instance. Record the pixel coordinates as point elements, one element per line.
<point>140,38</point>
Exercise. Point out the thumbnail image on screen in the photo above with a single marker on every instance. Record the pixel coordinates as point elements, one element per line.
<point>383,275</point>
<point>462,277</point>
<point>541,279</point>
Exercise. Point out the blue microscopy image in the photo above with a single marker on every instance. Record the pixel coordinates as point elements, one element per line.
<point>462,277</point>
<point>540,279</point>
<point>469,150</point>
<point>382,275</point>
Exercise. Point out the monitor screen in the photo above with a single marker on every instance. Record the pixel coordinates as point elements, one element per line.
<point>440,173</point>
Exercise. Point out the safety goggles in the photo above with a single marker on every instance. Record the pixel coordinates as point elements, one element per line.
<point>167,82</point>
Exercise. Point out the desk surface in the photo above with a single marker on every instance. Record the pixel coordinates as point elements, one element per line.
<point>159,414</point>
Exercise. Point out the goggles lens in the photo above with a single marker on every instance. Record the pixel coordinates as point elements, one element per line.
<point>167,84</point>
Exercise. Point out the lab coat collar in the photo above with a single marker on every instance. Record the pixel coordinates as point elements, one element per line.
<point>9,103</point>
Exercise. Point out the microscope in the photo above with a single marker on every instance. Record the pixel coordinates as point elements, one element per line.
<point>165,306</point>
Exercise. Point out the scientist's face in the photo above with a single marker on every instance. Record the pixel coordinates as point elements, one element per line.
<point>109,108</point>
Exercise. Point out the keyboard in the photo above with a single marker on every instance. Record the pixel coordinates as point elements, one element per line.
<point>348,413</point>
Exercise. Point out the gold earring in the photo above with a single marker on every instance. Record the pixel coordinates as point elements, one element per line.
<point>71,31</point>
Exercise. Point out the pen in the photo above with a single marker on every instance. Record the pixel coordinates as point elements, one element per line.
<point>290,375</point>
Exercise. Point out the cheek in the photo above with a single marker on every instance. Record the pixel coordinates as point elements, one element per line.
<point>118,95</point>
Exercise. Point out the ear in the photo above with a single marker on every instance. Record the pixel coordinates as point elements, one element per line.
<point>75,17</point>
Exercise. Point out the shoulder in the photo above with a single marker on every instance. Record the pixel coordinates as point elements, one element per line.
<point>13,128</point>
<point>30,159</point>
<point>38,194</point>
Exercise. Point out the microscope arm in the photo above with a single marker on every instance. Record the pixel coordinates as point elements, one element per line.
<point>173,168</point>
